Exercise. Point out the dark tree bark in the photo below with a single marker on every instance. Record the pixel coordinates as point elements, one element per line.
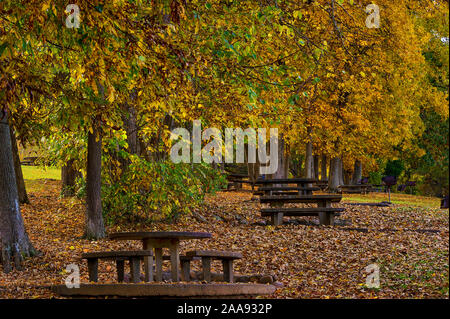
<point>323,170</point>
<point>316,167</point>
<point>341,171</point>
<point>23,197</point>
<point>357,172</point>
<point>309,161</point>
<point>68,178</point>
<point>283,160</point>
<point>334,178</point>
<point>14,241</point>
<point>130,126</point>
<point>94,220</point>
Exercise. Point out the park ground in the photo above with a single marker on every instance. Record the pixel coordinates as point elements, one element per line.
<point>408,241</point>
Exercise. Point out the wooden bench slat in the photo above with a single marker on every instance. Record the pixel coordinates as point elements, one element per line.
<point>313,211</point>
<point>300,198</point>
<point>117,254</point>
<point>214,254</point>
<point>288,188</point>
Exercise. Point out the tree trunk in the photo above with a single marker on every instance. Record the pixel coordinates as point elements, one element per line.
<point>316,167</point>
<point>341,171</point>
<point>309,162</point>
<point>357,172</point>
<point>14,241</point>
<point>283,160</point>
<point>23,197</point>
<point>68,178</point>
<point>333,180</point>
<point>94,220</point>
<point>323,169</point>
<point>130,126</point>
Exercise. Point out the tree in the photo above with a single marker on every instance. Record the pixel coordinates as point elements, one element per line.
<point>14,242</point>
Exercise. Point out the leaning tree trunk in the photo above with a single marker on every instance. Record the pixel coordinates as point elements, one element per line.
<point>68,178</point>
<point>23,197</point>
<point>357,172</point>
<point>94,220</point>
<point>323,169</point>
<point>14,241</point>
<point>334,178</point>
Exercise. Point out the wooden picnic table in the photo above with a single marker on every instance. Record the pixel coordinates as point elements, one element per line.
<point>157,241</point>
<point>324,210</point>
<point>355,188</point>
<point>301,182</point>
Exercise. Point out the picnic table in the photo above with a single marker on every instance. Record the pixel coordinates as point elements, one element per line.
<point>157,241</point>
<point>355,188</point>
<point>324,209</point>
<point>280,186</point>
<point>300,182</point>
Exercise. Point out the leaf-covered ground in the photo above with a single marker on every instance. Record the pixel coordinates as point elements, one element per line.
<point>410,245</point>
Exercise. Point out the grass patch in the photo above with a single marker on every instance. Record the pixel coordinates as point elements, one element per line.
<point>36,172</point>
<point>396,198</point>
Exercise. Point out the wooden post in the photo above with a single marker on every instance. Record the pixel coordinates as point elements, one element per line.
<point>277,219</point>
<point>175,260</point>
<point>148,262</point>
<point>120,266</point>
<point>228,270</point>
<point>158,262</point>
<point>186,265</point>
<point>206,263</point>
<point>93,269</point>
<point>135,269</point>
<point>326,218</point>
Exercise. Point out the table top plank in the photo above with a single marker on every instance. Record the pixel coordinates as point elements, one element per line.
<point>300,198</point>
<point>159,235</point>
<point>286,181</point>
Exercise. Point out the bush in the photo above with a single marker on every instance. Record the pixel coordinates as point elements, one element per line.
<point>158,190</point>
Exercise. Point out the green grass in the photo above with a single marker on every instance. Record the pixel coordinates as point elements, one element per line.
<point>35,172</point>
<point>396,198</point>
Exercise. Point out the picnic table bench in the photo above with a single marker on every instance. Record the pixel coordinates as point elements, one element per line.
<point>134,258</point>
<point>324,209</point>
<point>29,160</point>
<point>227,258</point>
<point>237,180</point>
<point>322,184</point>
<point>355,188</point>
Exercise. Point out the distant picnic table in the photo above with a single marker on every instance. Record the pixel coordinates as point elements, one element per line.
<point>355,188</point>
<point>157,241</point>
<point>280,186</point>
<point>279,193</point>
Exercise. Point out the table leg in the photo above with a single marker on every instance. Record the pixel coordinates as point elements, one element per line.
<point>326,218</point>
<point>148,262</point>
<point>158,262</point>
<point>206,263</point>
<point>175,260</point>
<point>227,270</point>
<point>186,265</point>
<point>135,269</point>
<point>93,269</point>
<point>120,269</point>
